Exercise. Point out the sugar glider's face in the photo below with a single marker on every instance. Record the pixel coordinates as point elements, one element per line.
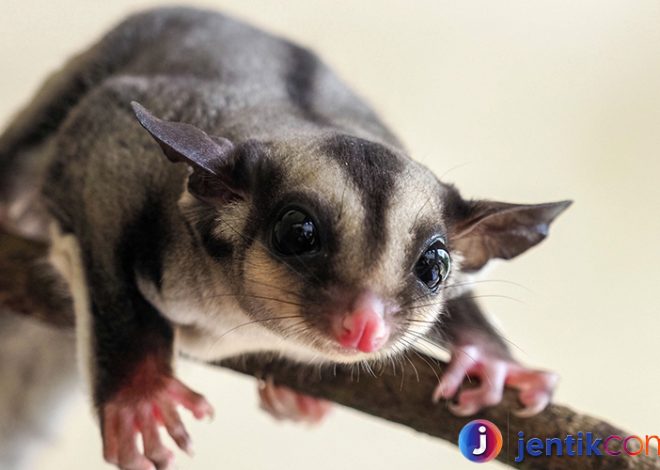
<point>341,247</point>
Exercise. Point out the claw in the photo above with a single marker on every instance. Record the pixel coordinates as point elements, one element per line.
<point>172,420</point>
<point>464,410</point>
<point>536,388</point>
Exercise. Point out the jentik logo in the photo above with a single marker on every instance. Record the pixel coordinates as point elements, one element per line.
<point>480,441</point>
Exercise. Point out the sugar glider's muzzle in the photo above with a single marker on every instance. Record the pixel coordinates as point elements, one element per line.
<point>363,327</point>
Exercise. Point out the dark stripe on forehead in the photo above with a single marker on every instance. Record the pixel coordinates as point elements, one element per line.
<point>300,81</point>
<point>372,169</point>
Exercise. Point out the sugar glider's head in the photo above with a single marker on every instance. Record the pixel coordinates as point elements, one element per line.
<point>343,246</point>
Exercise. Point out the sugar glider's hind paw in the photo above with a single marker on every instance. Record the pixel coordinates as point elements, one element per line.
<point>535,386</point>
<point>284,403</point>
<point>126,416</point>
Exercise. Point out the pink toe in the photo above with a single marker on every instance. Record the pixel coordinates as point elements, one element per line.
<point>189,399</point>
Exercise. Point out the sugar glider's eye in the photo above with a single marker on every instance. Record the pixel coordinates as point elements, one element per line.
<point>434,265</point>
<point>295,233</point>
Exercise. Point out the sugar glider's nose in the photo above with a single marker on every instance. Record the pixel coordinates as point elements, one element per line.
<point>363,327</point>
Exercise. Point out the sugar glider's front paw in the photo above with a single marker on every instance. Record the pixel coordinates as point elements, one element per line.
<point>133,412</point>
<point>284,403</point>
<point>494,373</point>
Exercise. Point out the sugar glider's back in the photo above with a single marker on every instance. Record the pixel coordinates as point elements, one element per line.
<point>190,65</point>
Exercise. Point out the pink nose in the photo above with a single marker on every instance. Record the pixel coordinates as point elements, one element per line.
<point>363,328</point>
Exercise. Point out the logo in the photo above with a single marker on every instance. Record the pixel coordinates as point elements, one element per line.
<point>480,441</point>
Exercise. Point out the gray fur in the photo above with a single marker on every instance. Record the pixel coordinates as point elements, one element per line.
<point>151,254</point>
<point>106,181</point>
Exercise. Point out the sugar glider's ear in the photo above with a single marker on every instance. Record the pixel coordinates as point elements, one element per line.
<point>483,230</point>
<point>219,170</point>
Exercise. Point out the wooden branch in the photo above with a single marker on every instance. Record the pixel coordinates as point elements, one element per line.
<point>401,396</point>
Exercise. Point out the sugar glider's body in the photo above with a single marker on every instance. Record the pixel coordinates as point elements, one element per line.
<point>203,68</point>
<point>217,74</point>
<point>199,257</point>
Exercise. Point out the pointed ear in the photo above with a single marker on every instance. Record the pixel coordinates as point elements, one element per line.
<point>212,159</point>
<point>486,229</point>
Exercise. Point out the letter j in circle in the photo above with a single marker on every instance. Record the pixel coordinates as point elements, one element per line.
<point>480,441</point>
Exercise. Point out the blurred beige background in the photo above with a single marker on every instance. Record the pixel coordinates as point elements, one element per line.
<point>521,101</point>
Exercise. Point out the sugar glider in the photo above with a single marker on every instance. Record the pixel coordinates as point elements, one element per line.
<point>211,189</point>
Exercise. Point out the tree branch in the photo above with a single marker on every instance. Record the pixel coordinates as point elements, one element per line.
<point>28,287</point>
